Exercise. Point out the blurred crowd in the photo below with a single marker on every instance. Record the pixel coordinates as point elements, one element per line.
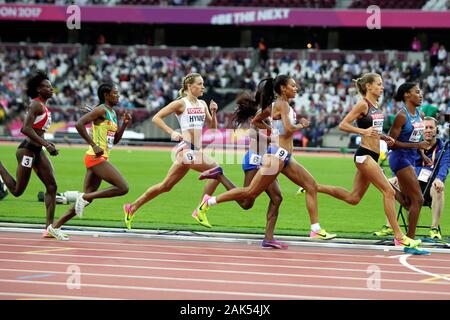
<point>148,82</point>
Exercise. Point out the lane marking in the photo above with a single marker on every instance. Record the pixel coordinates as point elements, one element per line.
<point>432,279</point>
<point>34,296</point>
<point>362,264</point>
<point>184,278</point>
<point>47,250</point>
<point>405,263</point>
<point>34,276</point>
<point>192,291</point>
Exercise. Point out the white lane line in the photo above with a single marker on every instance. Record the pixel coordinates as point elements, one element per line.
<point>278,252</point>
<point>295,244</point>
<point>184,246</point>
<point>33,296</point>
<point>363,288</point>
<point>177,290</point>
<point>181,254</point>
<point>405,263</point>
<point>216,262</point>
<point>165,268</point>
<point>184,278</point>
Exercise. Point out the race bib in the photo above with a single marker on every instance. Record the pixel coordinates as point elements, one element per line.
<point>417,133</point>
<point>27,161</point>
<point>424,175</point>
<point>110,139</point>
<point>281,154</point>
<point>377,122</point>
<point>255,159</point>
<point>189,156</point>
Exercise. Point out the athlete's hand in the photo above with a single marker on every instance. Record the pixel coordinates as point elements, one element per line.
<point>98,151</point>
<point>175,136</point>
<point>127,117</point>
<point>304,123</point>
<point>424,145</point>
<point>51,149</point>
<point>213,107</point>
<point>389,140</point>
<point>438,184</point>
<point>371,132</point>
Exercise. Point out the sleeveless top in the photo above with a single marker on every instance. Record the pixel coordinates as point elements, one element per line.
<point>103,133</point>
<point>374,117</point>
<point>44,120</point>
<point>277,124</point>
<point>193,117</point>
<point>413,129</point>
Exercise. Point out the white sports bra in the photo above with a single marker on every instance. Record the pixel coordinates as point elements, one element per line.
<point>193,117</point>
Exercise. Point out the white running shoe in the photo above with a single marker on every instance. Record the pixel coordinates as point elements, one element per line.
<point>80,204</point>
<point>57,233</point>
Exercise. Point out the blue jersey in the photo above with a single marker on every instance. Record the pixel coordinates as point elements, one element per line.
<point>413,129</point>
<point>411,132</point>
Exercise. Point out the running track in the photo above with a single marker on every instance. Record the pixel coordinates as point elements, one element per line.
<point>88,267</point>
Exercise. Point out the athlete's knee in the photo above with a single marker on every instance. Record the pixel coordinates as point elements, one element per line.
<point>353,199</point>
<point>123,189</point>
<point>417,200</point>
<point>247,204</point>
<point>277,199</point>
<point>311,186</point>
<point>17,193</point>
<point>51,188</point>
<point>389,193</point>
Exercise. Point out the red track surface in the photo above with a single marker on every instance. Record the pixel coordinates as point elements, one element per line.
<point>124,268</point>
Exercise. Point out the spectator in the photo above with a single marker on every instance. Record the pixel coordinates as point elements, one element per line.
<point>416,45</point>
<point>434,54</point>
<point>263,52</point>
<point>429,109</point>
<point>442,54</point>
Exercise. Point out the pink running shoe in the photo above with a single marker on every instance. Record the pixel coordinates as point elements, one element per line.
<point>128,215</point>
<point>274,244</point>
<point>199,213</point>
<point>211,173</point>
<point>46,234</point>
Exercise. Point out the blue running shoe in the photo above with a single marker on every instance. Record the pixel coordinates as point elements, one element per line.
<point>416,251</point>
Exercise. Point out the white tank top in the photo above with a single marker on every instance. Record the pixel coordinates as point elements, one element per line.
<point>193,117</point>
<point>277,125</point>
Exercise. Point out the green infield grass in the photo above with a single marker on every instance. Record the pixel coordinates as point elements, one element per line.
<point>172,210</point>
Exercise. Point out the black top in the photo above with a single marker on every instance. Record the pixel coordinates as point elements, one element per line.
<point>372,117</point>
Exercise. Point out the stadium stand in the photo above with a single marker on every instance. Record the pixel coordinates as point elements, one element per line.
<point>149,77</point>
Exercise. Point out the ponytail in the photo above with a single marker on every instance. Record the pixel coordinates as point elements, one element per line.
<point>265,95</point>
<point>361,83</point>
<point>246,107</point>
<point>188,79</point>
